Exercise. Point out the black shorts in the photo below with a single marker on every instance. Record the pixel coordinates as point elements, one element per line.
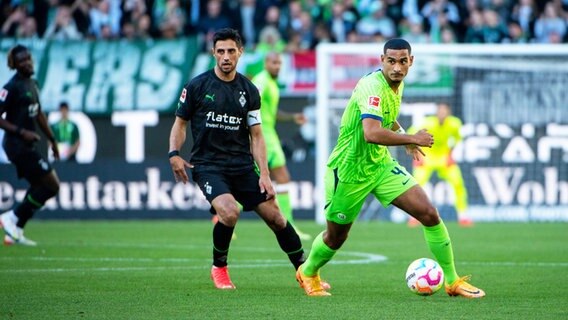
<point>30,164</point>
<point>243,186</point>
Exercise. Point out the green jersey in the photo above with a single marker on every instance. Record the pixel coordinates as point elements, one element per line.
<point>356,159</point>
<point>269,99</point>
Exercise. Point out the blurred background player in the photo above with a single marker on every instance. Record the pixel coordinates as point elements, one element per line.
<point>267,84</point>
<point>447,130</point>
<point>66,134</point>
<point>19,99</point>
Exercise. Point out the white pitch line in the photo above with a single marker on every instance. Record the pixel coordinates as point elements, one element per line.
<point>365,258</point>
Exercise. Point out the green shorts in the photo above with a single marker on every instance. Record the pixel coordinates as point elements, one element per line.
<point>343,201</point>
<point>274,153</point>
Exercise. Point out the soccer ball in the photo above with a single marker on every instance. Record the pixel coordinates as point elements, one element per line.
<point>424,276</point>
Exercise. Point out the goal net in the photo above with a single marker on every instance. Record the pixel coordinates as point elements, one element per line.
<point>513,101</point>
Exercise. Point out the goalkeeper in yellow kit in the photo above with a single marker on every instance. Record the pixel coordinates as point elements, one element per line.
<point>446,128</point>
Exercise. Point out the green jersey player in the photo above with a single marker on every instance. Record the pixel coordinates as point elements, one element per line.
<point>267,84</point>
<point>361,165</point>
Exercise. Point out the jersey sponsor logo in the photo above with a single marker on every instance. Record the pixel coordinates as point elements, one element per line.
<point>223,121</point>
<point>374,102</point>
<point>183,95</point>
<point>3,94</point>
<point>210,97</point>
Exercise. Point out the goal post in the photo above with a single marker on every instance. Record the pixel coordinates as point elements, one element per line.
<point>512,100</point>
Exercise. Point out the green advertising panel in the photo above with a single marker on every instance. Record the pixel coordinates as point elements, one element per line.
<point>101,77</point>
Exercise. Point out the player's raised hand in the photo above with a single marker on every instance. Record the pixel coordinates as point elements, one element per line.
<point>423,138</point>
<point>265,185</point>
<point>178,167</point>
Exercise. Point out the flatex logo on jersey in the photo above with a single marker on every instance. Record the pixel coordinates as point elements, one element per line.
<point>223,121</point>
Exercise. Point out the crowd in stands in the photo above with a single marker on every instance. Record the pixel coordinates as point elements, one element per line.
<point>290,26</point>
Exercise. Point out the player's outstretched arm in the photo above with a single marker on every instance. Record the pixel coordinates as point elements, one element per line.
<point>375,133</point>
<point>177,139</point>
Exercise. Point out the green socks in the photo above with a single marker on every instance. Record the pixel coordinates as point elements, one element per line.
<point>440,245</point>
<point>285,206</point>
<point>320,254</point>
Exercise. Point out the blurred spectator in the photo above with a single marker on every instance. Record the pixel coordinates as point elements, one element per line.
<point>212,21</point>
<point>474,31</point>
<point>15,18</point>
<point>105,18</point>
<point>321,35</point>
<point>525,13</point>
<point>516,34</point>
<point>248,18</point>
<point>306,29</point>
<point>437,12</point>
<point>413,31</point>
<point>171,23</point>
<point>294,16</point>
<point>63,27</point>
<point>550,27</point>
<point>376,22</point>
<point>273,18</point>
<point>342,22</point>
<point>132,13</point>
<point>447,35</point>
<point>494,30</point>
<point>270,40</point>
<point>27,29</point>
<point>79,13</point>
<point>295,43</point>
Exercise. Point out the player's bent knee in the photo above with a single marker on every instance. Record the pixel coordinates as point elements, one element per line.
<point>430,217</point>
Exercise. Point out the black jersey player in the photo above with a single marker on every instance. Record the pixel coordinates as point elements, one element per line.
<point>222,108</point>
<point>19,100</point>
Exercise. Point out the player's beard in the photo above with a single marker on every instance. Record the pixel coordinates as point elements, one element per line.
<point>227,68</point>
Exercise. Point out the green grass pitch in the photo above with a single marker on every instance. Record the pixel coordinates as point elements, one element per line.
<point>160,270</point>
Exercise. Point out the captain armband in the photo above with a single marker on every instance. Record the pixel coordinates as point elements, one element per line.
<point>400,130</point>
<point>253,118</point>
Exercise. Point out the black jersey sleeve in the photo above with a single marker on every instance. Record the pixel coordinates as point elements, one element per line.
<point>5,96</point>
<point>255,98</point>
<point>184,106</point>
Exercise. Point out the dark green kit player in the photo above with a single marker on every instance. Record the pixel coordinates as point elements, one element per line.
<point>19,100</point>
<point>361,164</point>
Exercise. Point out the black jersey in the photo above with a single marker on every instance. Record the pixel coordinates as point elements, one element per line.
<point>19,99</point>
<point>217,111</point>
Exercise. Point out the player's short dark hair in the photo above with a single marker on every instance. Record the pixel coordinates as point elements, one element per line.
<point>12,53</point>
<point>397,44</point>
<point>227,34</point>
<point>63,105</point>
